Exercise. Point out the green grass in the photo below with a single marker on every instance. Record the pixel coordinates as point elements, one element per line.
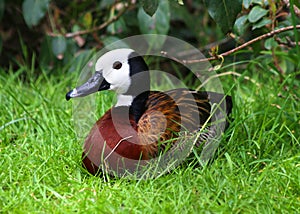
<point>256,169</point>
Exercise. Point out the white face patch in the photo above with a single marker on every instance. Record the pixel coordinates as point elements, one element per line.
<point>118,77</point>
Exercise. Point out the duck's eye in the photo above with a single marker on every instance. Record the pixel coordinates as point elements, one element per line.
<point>117,65</point>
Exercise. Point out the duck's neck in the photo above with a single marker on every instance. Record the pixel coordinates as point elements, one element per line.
<point>136,105</point>
<point>124,100</point>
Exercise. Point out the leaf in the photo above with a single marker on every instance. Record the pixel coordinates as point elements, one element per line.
<point>59,46</point>
<point>34,11</point>
<point>224,12</point>
<point>149,6</point>
<point>180,2</point>
<point>260,2</point>
<point>87,19</point>
<point>75,28</point>
<point>256,14</point>
<point>241,25</point>
<point>2,6</point>
<point>270,43</point>
<point>246,3</point>
<point>261,23</point>
<point>159,23</point>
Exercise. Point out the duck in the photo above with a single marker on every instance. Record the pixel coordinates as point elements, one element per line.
<point>143,124</point>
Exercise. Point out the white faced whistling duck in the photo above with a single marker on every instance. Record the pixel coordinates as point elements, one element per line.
<point>139,124</point>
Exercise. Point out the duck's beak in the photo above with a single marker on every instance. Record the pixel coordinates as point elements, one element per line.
<point>94,84</point>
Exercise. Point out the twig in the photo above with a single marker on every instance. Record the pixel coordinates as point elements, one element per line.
<point>289,43</point>
<point>264,36</point>
<point>296,9</point>
<point>100,27</point>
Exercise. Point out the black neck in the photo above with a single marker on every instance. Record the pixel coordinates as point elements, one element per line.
<point>140,85</point>
<point>138,105</point>
<point>139,75</point>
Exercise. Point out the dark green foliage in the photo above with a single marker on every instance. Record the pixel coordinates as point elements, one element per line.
<point>34,11</point>
<point>224,12</point>
<point>159,23</point>
<point>48,28</point>
<point>256,14</point>
<point>150,6</point>
<point>39,27</point>
<point>59,45</point>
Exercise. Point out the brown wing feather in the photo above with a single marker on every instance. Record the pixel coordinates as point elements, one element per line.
<point>167,114</point>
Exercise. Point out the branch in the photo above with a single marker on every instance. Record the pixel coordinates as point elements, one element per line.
<point>296,9</point>
<point>100,27</point>
<point>264,36</point>
<point>289,43</point>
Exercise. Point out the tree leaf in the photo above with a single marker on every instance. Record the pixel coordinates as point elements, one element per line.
<point>261,23</point>
<point>246,3</point>
<point>180,2</point>
<point>259,2</point>
<point>159,23</point>
<point>224,12</point>
<point>2,6</point>
<point>270,43</point>
<point>59,46</point>
<point>34,11</point>
<point>149,6</point>
<point>241,25</point>
<point>87,19</point>
<point>256,14</point>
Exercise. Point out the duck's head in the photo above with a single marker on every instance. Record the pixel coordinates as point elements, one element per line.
<point>120,70</point>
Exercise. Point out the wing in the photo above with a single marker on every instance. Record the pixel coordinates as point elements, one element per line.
<point>168,113</point>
